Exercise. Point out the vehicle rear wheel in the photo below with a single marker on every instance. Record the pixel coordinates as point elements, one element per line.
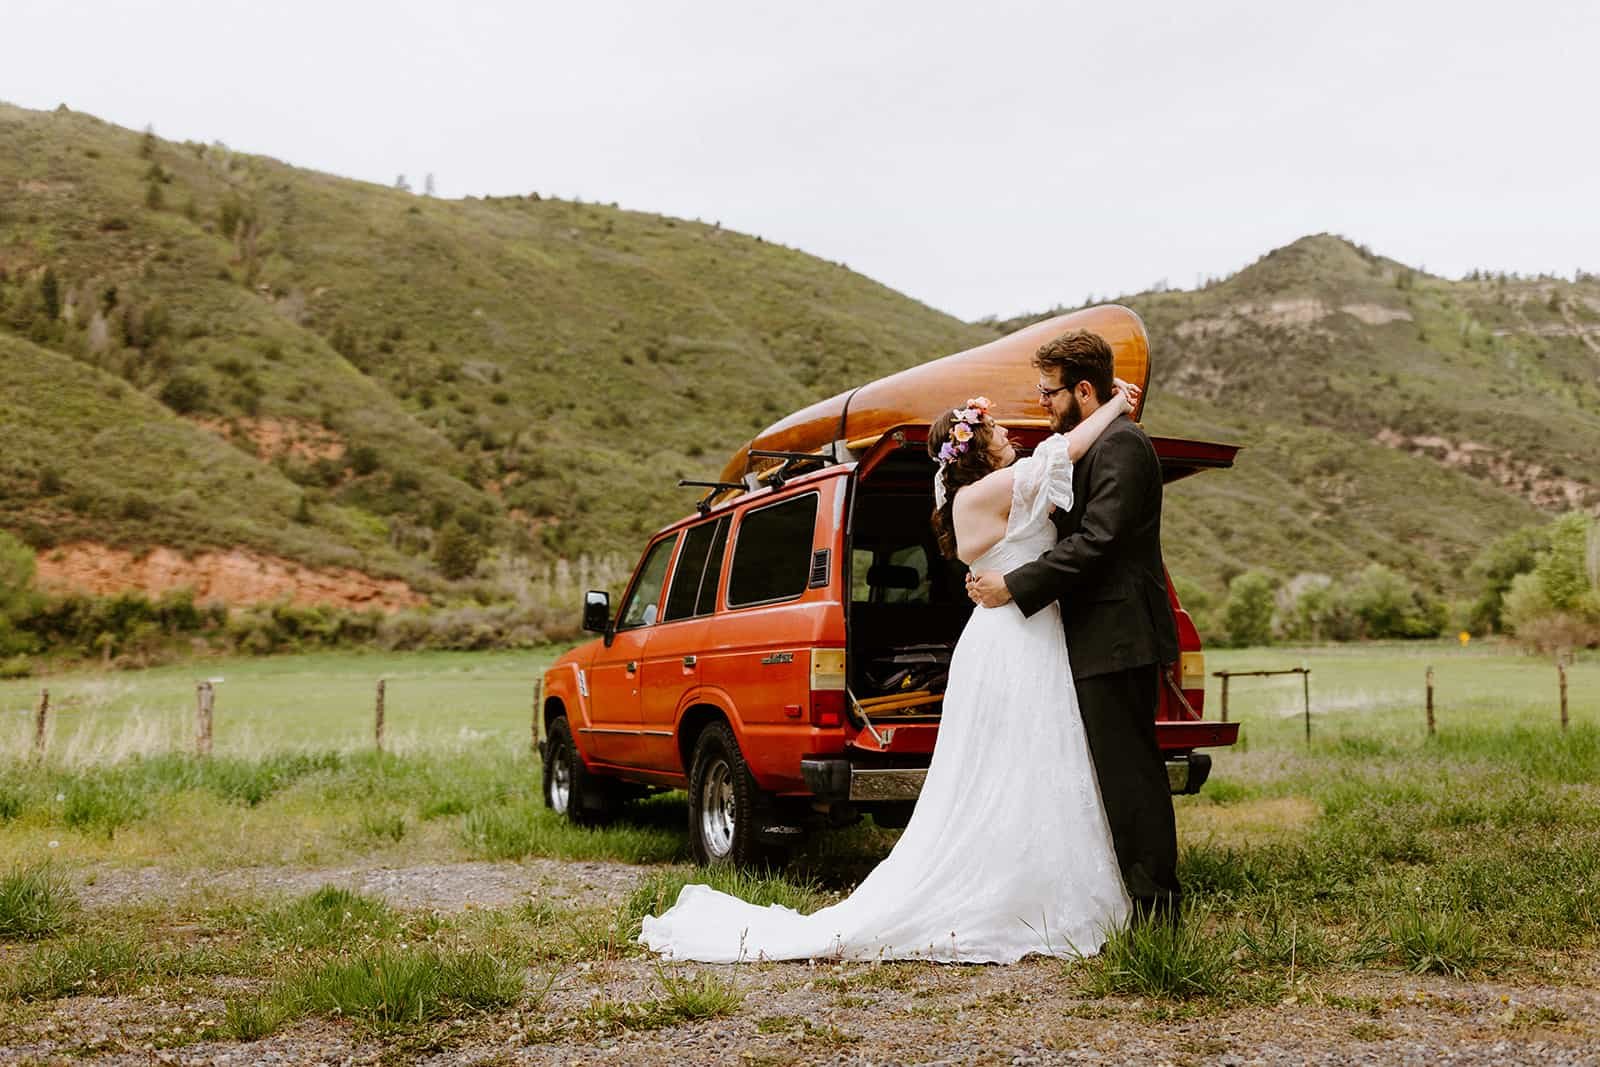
<point>727,810</point>
<point>570,789</point>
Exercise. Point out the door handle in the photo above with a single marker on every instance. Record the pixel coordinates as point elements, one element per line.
<point>633,665</point>
<point>688,661</point>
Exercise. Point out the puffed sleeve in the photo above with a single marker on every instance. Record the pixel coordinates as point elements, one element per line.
<point>1040,480</point>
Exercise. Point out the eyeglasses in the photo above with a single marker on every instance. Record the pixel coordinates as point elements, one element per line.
<point>1046,394</point>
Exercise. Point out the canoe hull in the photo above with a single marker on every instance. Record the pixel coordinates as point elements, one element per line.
<point>1002,370</point>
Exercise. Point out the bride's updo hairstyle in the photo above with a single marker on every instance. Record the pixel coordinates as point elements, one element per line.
<point>967,467</point>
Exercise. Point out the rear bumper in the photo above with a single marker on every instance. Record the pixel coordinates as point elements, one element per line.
<point>838,779</point>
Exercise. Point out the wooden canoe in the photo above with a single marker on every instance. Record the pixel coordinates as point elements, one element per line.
<point>1002,370</point>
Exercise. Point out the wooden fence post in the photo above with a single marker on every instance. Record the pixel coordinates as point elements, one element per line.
<point>377,722</point>
<point>204,696</point>
<point>39,723</point>
<point>1305,676</point>
<point>1561,673</point>
<point>1430,700</point>
<point>1224,695</point>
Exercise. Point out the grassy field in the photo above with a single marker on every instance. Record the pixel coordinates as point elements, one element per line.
<point>1373,850</point>
<point>432,701</point>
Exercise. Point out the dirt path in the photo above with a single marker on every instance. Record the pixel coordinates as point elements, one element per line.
<point>445,887</point>
<point>1031,1013</point>
<point>800,1014</point>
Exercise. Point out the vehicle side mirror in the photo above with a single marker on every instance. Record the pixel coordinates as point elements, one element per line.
<point>597,611</point>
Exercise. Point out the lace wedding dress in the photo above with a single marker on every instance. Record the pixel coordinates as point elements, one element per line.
<point>1008,852</point>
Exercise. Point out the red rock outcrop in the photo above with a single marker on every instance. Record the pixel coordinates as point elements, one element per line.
<point>235,577</point>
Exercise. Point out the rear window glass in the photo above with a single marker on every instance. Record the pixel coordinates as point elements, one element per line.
<point>772,556</point>
<point>688,595</point>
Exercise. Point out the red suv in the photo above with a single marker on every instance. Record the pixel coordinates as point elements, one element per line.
<point>781,655</point>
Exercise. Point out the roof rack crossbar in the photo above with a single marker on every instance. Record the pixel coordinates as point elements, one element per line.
<point>703,505</point>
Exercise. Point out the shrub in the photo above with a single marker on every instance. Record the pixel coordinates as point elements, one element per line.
<point>363,459</point>
<point>1247,618</point>
<point>457,553</point>
<point>184,393</point>
<point>1389,605</point>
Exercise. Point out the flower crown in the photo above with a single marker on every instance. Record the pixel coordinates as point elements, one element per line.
<point>968,419</point>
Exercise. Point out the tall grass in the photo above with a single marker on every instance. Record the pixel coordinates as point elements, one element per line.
<point>35,901</point>
<point>514,831</point>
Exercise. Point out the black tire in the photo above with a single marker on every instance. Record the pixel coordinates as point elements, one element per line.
<point>570,789</point>
<point>727,810</point>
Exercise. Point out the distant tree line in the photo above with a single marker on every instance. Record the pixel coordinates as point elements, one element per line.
<point>1539,584</point>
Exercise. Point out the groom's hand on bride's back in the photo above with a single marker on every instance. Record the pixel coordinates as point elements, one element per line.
<point>988,589</point>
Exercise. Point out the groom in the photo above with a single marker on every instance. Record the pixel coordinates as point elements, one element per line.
<point>1106,571</point>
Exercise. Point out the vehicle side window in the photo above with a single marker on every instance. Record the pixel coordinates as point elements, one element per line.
<point>708,584</point>
<point>643,604</point>
<point>690,571</point>
<point>772,556</point>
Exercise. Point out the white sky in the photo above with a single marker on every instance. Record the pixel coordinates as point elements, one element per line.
<point>990,157</point>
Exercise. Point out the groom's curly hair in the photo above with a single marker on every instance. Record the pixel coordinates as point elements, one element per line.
<point>965,469</point>
<point>1079,356</point>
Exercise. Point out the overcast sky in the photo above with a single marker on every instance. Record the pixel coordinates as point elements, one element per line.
<point>985,158</point>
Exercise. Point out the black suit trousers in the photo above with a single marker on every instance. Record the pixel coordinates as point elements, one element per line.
<point>1119,717</point>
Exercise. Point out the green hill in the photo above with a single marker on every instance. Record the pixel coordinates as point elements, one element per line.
<point>1388,415</point>
<point>535,372</point>
<point>211,350</point>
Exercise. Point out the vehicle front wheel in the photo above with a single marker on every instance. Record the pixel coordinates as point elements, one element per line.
<point>570,790</point>
<point>726,807</point>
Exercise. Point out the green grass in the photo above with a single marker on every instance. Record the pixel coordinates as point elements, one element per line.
<point>530,829</point>
<point>311,703</point>
<point>1182,958</point>
<point>35,902</point>
<point>683,998</point>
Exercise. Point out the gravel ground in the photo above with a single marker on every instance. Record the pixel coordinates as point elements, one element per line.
<point>446,887</point>
<point>1030,1013</point>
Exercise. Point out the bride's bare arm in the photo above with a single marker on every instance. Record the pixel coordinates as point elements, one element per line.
<point>1081,436</point>
<point>980,512</point>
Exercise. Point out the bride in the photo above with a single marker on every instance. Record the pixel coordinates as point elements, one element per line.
<point>1008,852</point>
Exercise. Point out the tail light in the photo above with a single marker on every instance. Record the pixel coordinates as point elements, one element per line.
<point>1192,679</point>
<point>827,687</point>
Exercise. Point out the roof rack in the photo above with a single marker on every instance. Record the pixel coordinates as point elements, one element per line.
<point>792,460</point>
<point>703,505</point>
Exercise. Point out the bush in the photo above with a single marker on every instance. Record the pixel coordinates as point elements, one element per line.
<point>1247,618</point>
<point>184,394</point>
<point>363,459</point>
<point>1389,605</point>
<point>457,553</point>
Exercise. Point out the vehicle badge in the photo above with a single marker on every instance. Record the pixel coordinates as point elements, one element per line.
<point>583,683</point>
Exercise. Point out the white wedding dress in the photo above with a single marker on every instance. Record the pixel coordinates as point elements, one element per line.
<point>1008,852</point>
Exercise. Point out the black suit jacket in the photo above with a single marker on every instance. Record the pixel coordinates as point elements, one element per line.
<point>1106,569</point>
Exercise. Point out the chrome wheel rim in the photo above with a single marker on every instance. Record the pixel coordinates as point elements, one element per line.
<point>560,782</point>
<point>716,809</point>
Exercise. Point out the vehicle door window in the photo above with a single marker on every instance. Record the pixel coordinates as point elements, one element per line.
<point>707,601</point>
<point>689,574</point>
<point>644,599</point>
<point>772,555</point>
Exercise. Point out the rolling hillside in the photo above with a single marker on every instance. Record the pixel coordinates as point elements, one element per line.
<point>215,353</point>
<point>536,373</point>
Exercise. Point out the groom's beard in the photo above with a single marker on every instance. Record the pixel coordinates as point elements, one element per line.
<point>1069,418</point>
